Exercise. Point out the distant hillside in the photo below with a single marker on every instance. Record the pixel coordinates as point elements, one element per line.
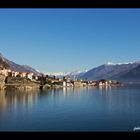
<point>109,71</point>
<point>73,75</point>
<point>76,74</point>
<point>5,63</point>
<point>132,75</point>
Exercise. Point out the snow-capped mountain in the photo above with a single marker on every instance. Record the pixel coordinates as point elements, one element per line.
<point>16,67</point>
<point>111,63</point>
<point>118,71</point>
<point>109,71</point>
<point>56,73</point>
<point>74,74</point>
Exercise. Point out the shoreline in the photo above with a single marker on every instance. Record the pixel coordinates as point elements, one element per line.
<point>23,83</point>
<point>44,87</point>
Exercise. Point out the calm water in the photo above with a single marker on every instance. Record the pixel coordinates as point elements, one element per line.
<point>78,109</point>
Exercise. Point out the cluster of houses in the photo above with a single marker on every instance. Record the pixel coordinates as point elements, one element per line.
<point>11,73</point>
<point>68,82</point>
<point>56,82</point>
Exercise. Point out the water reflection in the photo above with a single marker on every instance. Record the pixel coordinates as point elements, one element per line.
<point>105,93</point>
<point>120,98</point>
<point>111,97</point>
<point>3,101</point>
<point>88,104</point>
<point>11,100</point>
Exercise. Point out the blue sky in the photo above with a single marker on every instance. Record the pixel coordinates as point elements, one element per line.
<point>69,39</point>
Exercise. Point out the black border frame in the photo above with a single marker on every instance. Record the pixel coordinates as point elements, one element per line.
<point>69,4</point>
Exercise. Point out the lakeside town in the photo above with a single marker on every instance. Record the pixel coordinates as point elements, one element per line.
<point>10,79</point>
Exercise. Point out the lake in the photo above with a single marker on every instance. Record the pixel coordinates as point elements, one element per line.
<point>71,109</point>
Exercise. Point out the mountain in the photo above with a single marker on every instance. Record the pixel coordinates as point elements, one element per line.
<point>132,75</point>
<point>5,63</point>
<point>109,71</point>
<point>76,74</point>
<point>57,74</point>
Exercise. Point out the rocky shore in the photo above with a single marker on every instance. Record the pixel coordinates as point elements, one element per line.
<point>10,83</point>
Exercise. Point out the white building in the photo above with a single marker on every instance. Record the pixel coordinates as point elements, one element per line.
<point>100,83</point>
<point>14,73</point>
<point>30,75</point>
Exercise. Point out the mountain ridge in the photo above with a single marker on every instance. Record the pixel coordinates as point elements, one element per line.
<point>5,63</point>
<point>115,71</point>
<point>109,71</point>
<point>132,75</point>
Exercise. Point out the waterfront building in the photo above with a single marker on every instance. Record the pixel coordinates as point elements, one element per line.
<point>30,75</point>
